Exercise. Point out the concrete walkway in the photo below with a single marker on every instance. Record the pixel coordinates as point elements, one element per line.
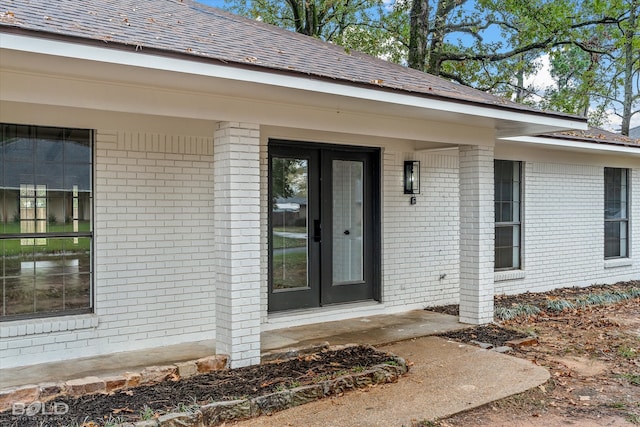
<point>445,378</point>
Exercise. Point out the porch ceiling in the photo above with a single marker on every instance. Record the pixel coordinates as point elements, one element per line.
<point>68,74</point>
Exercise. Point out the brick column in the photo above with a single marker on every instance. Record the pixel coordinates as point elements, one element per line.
<point>476,234</point>
<point>236,207</point>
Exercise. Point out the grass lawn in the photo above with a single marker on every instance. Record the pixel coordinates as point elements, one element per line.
<point>290,270</point>
<point>13,247</point>
<point>290,229</point>
<point>280,242</point>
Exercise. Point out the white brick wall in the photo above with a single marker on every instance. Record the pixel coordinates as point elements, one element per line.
<point>153,269</point>
<point>237,241</point>
<point>564,232</point>
<point>476,234</point>
<point>420,242</point>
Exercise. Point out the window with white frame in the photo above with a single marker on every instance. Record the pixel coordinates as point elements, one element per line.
<point>45,221</point>
<point>508,191</point>
<point>616,213</point>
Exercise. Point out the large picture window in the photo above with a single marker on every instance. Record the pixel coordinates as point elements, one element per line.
<point>616,213</point>
<point>507,190</point>
<point>45,221</point>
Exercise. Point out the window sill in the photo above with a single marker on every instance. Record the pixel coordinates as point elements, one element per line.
<point>620,262</point>
<point>19,328</point>
<point>501,276</point>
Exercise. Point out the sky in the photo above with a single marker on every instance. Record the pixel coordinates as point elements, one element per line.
<point>214,3</point>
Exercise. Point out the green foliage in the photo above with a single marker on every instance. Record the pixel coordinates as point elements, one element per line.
<point>325,19</point>
<point>508,313</point>
<point>559,305</point>
<point>629,353</point>
<point>146,413</point>
<point>288,178</point>
<point>187,408</point>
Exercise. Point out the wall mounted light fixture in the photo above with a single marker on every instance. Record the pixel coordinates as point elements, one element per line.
<point>411,177</point>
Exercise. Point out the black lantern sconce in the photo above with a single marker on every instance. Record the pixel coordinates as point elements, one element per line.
<point>412,178</point>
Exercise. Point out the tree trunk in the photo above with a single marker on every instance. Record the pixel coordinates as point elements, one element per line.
<point>628,53</point>
<point>439,32</point>
<point>520,91</point>
<point>419,31</point>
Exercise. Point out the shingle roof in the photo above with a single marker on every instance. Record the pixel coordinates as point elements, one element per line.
<point>597,136</point>
<point>197,31</point>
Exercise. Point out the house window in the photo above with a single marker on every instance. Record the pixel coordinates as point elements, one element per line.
<point>507,189</point>
<point>616,213</point>
<point>46,227</point>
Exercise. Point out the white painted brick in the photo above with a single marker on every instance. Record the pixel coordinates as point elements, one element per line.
<point>136,178</point>
<point>162,256</point>
<point>564,228</point>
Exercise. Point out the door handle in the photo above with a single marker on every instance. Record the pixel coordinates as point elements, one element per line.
<point>317,230</point>
<point>347,232</point>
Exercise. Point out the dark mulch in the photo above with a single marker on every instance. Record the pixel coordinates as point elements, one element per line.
<point>495,335</point>
<point>539,299</point>
<point>171,396</point>
<point>451,309</point>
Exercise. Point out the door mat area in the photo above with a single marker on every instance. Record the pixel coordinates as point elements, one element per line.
<point>219,396</point>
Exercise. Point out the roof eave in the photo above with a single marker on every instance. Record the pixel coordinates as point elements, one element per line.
<point>576,144</point>
<point>187,62</point>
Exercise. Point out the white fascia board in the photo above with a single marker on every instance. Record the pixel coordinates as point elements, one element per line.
<point>576,145</point>
<point>58,48</point>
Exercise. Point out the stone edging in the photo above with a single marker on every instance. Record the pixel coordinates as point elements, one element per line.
<point>102,385</point>
<point>220,412</point>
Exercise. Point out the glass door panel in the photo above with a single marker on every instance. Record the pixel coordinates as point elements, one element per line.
<point>289,224</point>
<point>348,255</point>
<point>323,225</point>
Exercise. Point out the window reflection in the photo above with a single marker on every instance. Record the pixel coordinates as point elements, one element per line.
<point>45,218</point>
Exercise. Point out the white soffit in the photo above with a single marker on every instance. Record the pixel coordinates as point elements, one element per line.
<point>572,145</point>
<point>506,122</point>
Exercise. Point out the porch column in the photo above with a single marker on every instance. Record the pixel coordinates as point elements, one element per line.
<point>236,209</point>
<point>476,234</point>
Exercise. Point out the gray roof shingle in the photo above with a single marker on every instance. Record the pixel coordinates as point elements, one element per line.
<point>194,30</point>
<point>596,136</point>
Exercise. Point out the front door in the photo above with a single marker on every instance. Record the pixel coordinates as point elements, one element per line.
<point>324,225</point>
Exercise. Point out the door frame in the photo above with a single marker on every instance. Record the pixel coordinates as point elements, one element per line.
<point>372,191</point>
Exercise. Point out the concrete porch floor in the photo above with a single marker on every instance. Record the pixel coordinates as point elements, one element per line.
<point>374,330</point>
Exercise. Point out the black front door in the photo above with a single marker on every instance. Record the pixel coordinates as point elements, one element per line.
<point>324,226</point>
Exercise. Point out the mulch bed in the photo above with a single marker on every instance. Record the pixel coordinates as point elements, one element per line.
<point>498,336</point>
<point>175,396</point>
<point>169,396</point>
<point>492,334</point>
<point>540,299</point>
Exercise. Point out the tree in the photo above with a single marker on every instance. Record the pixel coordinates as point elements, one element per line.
<point>593,46</point>
<point>324,19</point>
<point>576,74</point>
<point>607,75</point>
<point>626,88</point>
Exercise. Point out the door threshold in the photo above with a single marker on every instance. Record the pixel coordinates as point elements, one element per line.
<point>329,313</point>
